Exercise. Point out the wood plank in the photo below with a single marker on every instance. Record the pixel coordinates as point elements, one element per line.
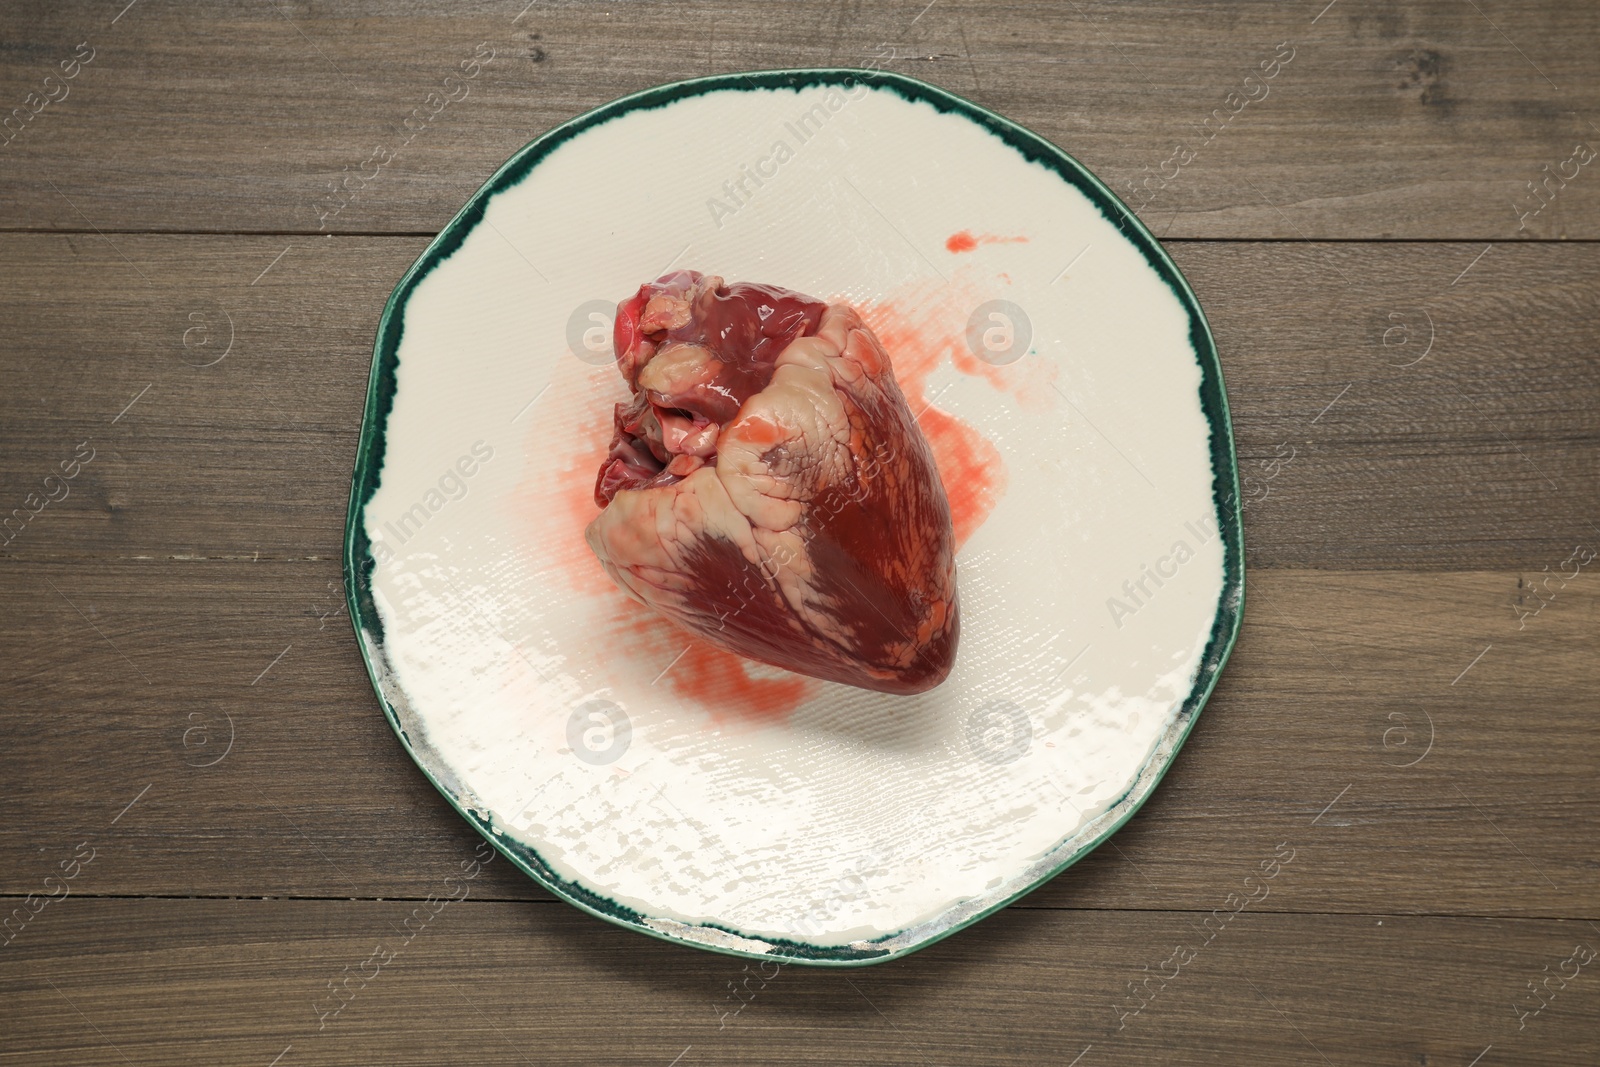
<point>1474,457</point>
<point>224,982</point>
<point>1428,121</point>
<point>1338,682</point>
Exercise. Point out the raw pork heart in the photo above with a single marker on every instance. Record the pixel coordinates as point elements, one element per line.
<point>768,489</point>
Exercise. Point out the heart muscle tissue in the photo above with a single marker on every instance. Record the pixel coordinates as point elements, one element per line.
<point>768,490</point>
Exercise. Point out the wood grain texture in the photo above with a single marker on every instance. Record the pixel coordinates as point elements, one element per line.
<point>1476,456</point>
<point>240,982</point>
<point>1422,121</point>
<point>1339,681</point>
<point>1410,706</point>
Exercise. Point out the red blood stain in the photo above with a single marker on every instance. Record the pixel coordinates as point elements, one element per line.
<point>729,688</point>
<point>966,240</point>
<point>588,441</point>
<point>725,681</point>
<point>942,335</point>
<point>558,504</point>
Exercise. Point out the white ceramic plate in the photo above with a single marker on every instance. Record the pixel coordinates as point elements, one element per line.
<point>1068,384</point>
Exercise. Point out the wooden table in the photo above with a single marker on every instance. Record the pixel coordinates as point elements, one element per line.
<point>186,328</point>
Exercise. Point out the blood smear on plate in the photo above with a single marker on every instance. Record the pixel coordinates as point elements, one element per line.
<point>966,241</point>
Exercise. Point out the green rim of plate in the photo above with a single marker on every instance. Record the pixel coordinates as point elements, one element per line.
<point>358,562</point>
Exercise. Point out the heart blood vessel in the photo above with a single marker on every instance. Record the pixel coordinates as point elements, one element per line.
<point>768,490</point>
